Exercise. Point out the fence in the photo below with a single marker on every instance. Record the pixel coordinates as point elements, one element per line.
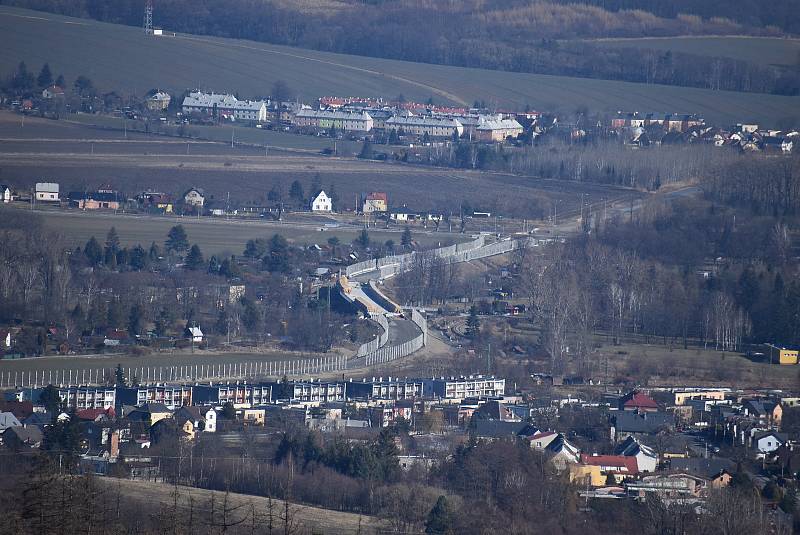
<point>402,261</point>
<point>387,354</point>
<point>187,373</point>
<point>379,341</point>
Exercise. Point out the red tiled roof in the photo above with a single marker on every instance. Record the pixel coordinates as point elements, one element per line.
<point>92,414</point>
<point>622,463</point>
<point>377,196</point>
<point>640,400</point>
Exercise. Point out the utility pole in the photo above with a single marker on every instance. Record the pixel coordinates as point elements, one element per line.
<point>148,17</point>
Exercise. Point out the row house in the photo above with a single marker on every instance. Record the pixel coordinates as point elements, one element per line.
<point>432,126</point>
<point>239,395</point>
<point>312,391</point>
<point>173,396</point>
<point>225,106</point>
<point>456,388</point>
<point>348,121</point>
<point>389,389</point>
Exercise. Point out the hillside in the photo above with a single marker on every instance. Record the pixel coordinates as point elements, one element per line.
<point>124,59</point>
<point>542,37</point>
<point>764,51</point>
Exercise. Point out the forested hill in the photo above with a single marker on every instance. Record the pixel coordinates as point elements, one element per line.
<point>511,35</point>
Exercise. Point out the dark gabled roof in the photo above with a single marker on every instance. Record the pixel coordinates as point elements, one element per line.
<point>154,407</point>
<point>783,437</point>
<point>705,468</point>
<point>648,422</point>
<point>26,435</point>
<point>498,428</point>
<point>102,196</point>
<point>190,412</point>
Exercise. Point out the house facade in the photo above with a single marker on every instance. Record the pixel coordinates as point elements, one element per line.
<point>432,126</point>
<point>376,201</point>
<point>6,194</point>
<point>47,192</point>
<point>158,101</point>
<point>321,203</point>
<point>349,121</point>
<point>194,197</point>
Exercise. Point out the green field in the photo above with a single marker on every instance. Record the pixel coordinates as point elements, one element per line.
<point>123,58</point>
<point>762,51</point>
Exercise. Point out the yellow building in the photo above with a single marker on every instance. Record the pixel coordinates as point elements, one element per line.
<point>582,475</point>
<point>787,356</point>
<point>682,397</point>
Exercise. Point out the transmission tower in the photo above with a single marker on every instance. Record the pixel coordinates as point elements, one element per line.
<point>148,17</point>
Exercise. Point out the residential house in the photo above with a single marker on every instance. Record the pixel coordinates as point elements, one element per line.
<point>349,121</point>
<point>193,333</point>
<point>19,437</point>
<point>239,395</point>
<point>586,475</point>
<point>6,194</point>
<point>716,471</point>
<point>310,392</point>
<point>168,428</point>
<point>173,396</point>
<point>629,423</point>
<point>158,101</point>
<point>679,488</point>
<point>46,192</point>
<point>53,91</point>
<point>194,197</point>
<point>681,397</point>
<point>321,203</point>
<point>785,356</point>
<point>766,412</point>
<point>250,110</point>
<point>5,338</point>
<point>386,415</point>
<point>388,389</point>
<point>202,418</point>
<point>497,129</point>
<point>376,201</point>
<point>561,453</point>
<point>222,106</point>
<point>457,388</point>
<point>489,430</point>
<point>84,397</point>
<point>150,413</point>
<point>617,466</point>
<point>646,458</point>
<point>253,416</point>
<point>106,199</point>
<point>155,201</point>
<point>541,440</point>
<point>8,420</point>
<point>767,441</point>
<point>434,127</point>
<point>495,410</point>
<point>636,401</point>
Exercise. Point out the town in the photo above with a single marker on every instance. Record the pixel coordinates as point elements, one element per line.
<point>541,274</point>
